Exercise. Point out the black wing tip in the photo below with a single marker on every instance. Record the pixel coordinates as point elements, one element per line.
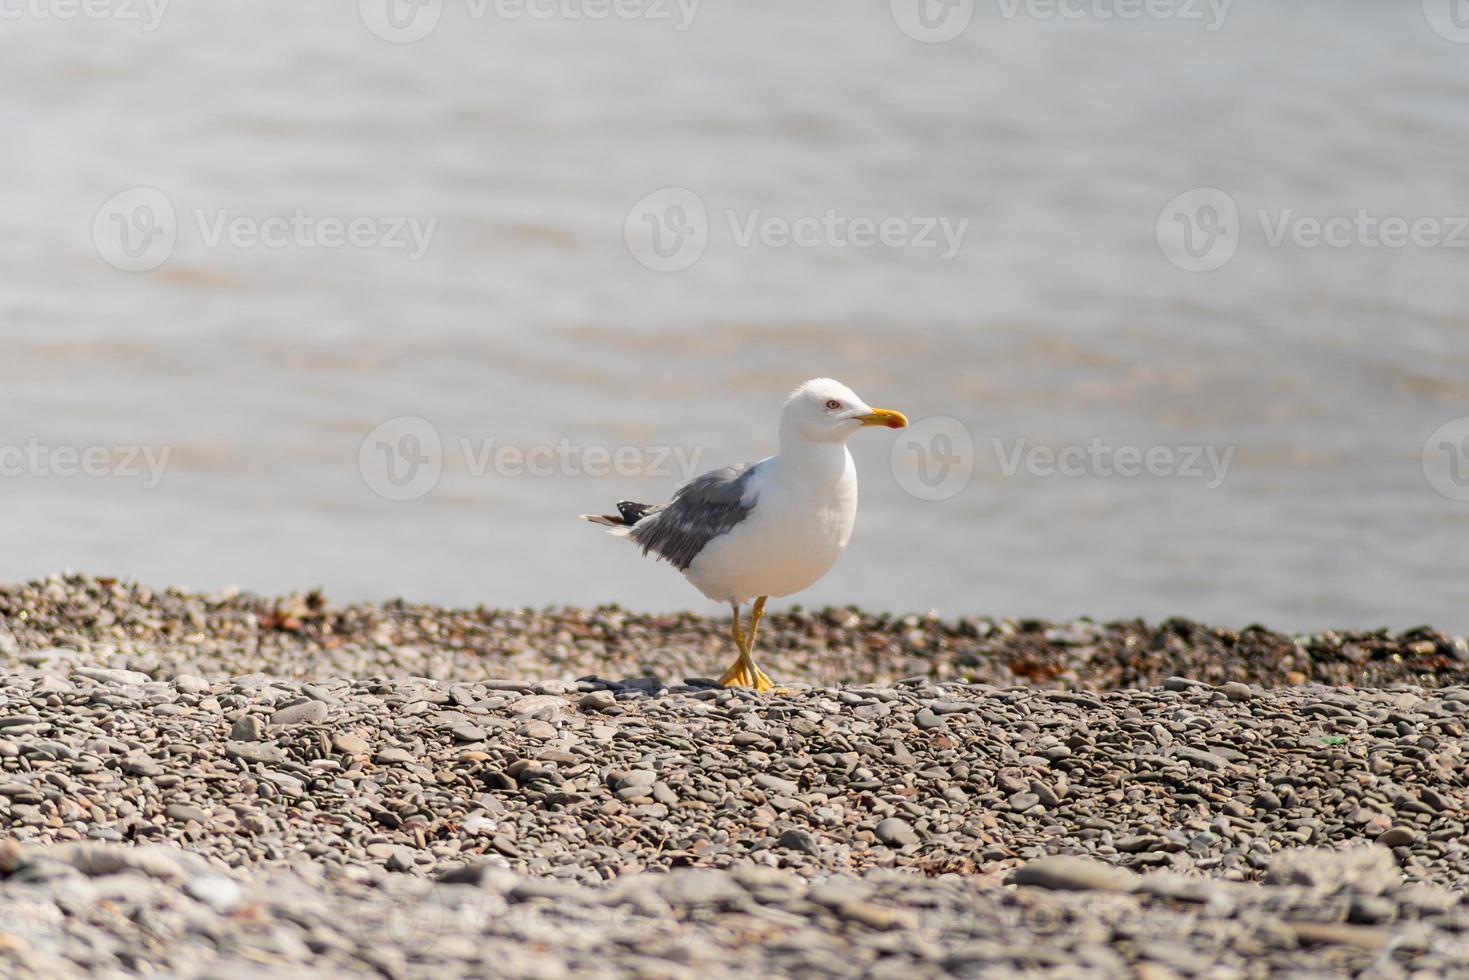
<point>629,512</point>
<point>632,511</point>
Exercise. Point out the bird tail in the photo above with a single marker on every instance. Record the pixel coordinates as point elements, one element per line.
<point>628,513</point>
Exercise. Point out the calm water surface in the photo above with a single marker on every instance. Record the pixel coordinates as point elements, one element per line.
<point>528,321</point>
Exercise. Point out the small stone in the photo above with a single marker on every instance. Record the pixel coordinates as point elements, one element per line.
<point>1068,873</point>
<point>1435,799</point>
<point>184,812</point>
<point>106,675</point>
<point>288,785</point>
<point>302,712</point>
<point>597,701</point>
<point>466,732</point>
<point>350,744</point>
<point>1397,837</point>
<point>392,755</point>
<point>1368,910</point>
<point>703,886</point>
<point>1021,802</point>
<point>255,823</point>
<point>926,719</point>
<point>255,751</point>
<point>1203,759</point>
<point>190,684</point>
<point>775,784</point>
<point>544,707</point>
<point>799,840</point>
<point>1236,691</point>
<point>532,774</point>
<point>541,731</point>
<point>248,728</point>
<point>875,916</point>
<point>1339,934</point>
<point>896,832</point>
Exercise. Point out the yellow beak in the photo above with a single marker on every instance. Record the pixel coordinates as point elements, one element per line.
<point>885,416</point>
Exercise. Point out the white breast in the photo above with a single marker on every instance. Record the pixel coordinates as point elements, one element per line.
<point>802,518</point>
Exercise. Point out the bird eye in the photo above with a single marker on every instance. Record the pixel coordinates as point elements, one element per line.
<point>833,403</point>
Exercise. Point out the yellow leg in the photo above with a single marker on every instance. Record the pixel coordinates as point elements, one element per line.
<point>757,613</point>
<point>744,673</point>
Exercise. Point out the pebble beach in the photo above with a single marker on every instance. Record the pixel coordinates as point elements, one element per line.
<point>233,785</point>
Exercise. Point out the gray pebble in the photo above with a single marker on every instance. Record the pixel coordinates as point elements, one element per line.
<point>302,712</point>
<point>190,684</point>
<point>1068,873</point>
<point>466,732</point>
<point>597,701</point>
<point>799,840</point>
<point>896,832</point>
<point>350,744</point>
<point>1397,837</point>
<point>249,728</point>
<point>926,719</point>
<point>255,751</point>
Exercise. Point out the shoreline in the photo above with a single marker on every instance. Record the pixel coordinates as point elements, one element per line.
<point>307,635</point>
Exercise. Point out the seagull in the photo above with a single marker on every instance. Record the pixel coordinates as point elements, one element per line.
<point>763,529</point>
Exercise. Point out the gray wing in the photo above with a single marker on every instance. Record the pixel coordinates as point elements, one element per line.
<point>702,509</point>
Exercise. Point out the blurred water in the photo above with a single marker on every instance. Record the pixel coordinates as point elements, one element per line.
<point>529,321</point>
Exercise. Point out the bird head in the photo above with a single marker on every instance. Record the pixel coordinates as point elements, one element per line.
<point>823,410</point>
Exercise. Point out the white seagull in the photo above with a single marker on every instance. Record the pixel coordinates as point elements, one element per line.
<point>763,529</point>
